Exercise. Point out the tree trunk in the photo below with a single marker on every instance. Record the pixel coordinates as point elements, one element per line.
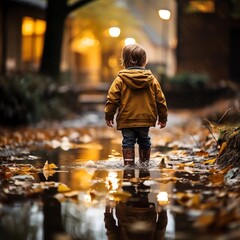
<point>56,13</point>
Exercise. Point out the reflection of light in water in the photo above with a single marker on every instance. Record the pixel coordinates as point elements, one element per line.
<point>83,223</point>
<point>112,181</point>
<point>81,179</point>
<point>87,199</point>
<point>114,154</point>
<point>162,198</point>
<point>170,230</point>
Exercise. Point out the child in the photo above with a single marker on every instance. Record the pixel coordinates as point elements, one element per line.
<point>138,97</point>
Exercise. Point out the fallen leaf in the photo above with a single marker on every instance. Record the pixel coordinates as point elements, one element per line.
<point>188,199</point>
<point>222,148</point>
<point>182,165</point>
<point>216,178</point>
<point>210,161</point>
<point>48,166</point>
<point>63,188</point>
<point>202,153</point>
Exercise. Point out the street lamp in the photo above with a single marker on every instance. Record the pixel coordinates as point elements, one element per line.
<point>114,31</point>
<point>164,14</point>
<point>129,41</point>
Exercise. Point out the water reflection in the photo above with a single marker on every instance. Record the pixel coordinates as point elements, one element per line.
<point>135,217</point>
<point>115,204</point>
<point>106,201</point>
<point>21,220</point>
<point>52,223</point>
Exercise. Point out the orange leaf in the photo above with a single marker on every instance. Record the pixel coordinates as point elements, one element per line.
<point>222,148</point>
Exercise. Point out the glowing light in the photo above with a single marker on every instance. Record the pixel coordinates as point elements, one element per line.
<point>40,27</point>
<point>162,198</point>
<point>32,26</point>
<point>112,181</point>
<point>27,26</point>
<point>87,41</point>
<point>87,199</point>
<point>114,31</point>
<point>128,41</point>
<point>164,14</point>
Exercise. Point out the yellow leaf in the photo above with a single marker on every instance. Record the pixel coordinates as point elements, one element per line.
<point>182,165</point>
<point>210,161</point>
<point>63,188</point>
<point>189,199</point>
<point>48,166</point>
<point>48,173</point>
<point>52,166</point>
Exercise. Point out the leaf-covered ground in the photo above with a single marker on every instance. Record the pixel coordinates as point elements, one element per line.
<point>193,172</point>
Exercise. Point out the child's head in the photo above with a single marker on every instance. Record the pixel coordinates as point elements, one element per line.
<point>133,55</point>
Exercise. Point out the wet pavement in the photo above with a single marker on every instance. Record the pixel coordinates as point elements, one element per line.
<point>68,182</point>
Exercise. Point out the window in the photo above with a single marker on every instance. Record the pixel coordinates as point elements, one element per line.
<point>207,6</point>
<point>32,42</point>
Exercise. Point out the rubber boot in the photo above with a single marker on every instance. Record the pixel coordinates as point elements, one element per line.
<point>144,156</point>
<point>128,156</point>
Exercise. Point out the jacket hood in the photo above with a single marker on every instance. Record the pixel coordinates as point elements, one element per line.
<point>136,78</point>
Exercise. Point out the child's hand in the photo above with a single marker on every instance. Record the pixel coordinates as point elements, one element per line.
<point>109,123</point>
<point>162,124</point>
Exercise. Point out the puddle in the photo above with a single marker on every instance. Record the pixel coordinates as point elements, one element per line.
<point>108,201</point>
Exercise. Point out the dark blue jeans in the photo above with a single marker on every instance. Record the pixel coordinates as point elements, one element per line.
<point>139,135</point>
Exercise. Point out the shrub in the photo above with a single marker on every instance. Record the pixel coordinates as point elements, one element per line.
<point>28,99</point>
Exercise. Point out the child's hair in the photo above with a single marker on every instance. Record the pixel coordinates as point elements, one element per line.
<point>133,55</point>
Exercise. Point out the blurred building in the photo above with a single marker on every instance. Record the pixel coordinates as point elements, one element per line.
<point>208,38</point>
<point>198,37</point>
<point>89,54</point>
<point>22,27</point>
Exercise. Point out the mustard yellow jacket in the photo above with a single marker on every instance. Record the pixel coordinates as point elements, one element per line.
<point>138,97</point>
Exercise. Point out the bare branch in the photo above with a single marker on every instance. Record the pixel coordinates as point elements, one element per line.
<point>198,145</point>
<point>77,4</point>
<point>227,112</point>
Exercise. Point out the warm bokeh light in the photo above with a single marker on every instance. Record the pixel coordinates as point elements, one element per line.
<point>162,198</point>
<point>40,27</point>
<point>129,41</point>
<point>27,26</point>
<point>164,14</point>
<point>32,26</point>
<point>32,39</point>
<point>114,31</point>
<point>112,181</point>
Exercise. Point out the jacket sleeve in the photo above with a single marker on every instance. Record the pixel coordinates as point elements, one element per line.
<point>113,99</point>
<point>161,103</point>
